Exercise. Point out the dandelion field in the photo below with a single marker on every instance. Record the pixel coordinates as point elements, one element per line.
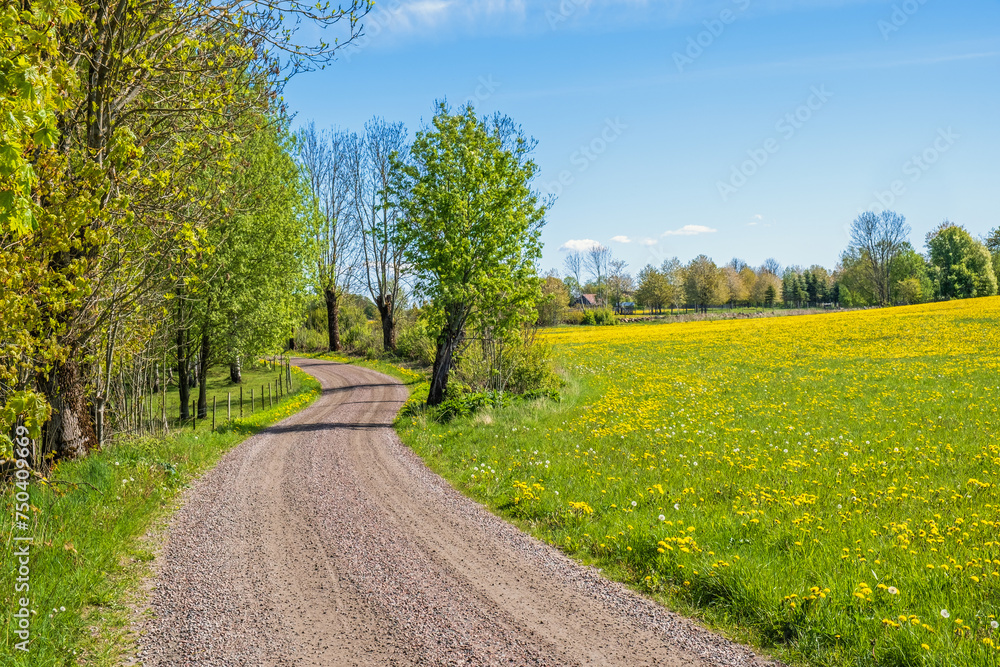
<point>825,485</point>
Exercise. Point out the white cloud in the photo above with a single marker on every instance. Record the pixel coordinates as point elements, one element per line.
<point>409,17</point>
<point>758,217</point>
<point>621,239</point>
<point>649,242</point>
<point>581,245</point>
<point>690,230</point>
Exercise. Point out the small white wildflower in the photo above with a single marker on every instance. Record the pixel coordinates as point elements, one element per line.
<point>945,614</point>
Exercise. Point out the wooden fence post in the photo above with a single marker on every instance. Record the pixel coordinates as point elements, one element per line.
<point>269,403</point>
<point>213,414</point>
<point>241,401</point>
<point>251,401</point>
<point>194,416</point>
<point>229,406</point>
<point>262,397</point>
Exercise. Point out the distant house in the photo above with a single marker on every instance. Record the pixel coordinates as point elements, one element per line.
<point>586,301</point>
<point>626,308</point>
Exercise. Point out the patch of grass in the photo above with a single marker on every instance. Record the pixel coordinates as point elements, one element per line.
<point>261,380</point>
<point>824,486</point>
<point>89,556</point>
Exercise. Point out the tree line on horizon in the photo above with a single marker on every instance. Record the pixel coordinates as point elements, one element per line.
<point>880,267</point>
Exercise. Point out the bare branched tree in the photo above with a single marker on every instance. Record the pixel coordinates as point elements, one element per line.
<point>574,265</point>
<point>371,172</point>
<point>771,266</point>
<point>596,261</point>
<point>879,239</point>
<point>326,160</point>
<point>620,283</point>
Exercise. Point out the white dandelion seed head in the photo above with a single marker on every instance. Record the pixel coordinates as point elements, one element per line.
<point>945,613</point>
<point>663,518</point>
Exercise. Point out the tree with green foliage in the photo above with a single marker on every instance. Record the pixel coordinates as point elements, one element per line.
<point>652,288</point>
<point>993,245</point>
<point>964,264</point>
<point>472,224</point>
<point>703,285</point>
<point>674,277</point>
<point>770,295</point>
<point>554,300</point>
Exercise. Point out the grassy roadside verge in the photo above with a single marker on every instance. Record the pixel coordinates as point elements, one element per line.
<point>88,556</point>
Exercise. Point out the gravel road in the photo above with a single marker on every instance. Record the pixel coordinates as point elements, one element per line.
<point>324,541</point>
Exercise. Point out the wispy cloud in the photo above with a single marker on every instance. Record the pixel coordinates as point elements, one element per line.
<point>648,242</point>
<point>433,19</point>
<point>621,239</point>
<point>581,245</point>
<point>690,230</point>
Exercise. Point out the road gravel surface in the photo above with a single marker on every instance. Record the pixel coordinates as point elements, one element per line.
<point>323,540</point>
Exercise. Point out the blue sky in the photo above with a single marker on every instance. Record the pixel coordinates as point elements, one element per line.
<point>745,128</point>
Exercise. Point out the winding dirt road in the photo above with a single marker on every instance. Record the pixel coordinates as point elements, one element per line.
<point>324,541</point>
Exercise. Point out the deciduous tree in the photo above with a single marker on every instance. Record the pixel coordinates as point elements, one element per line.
<point>877,241</point>
<point>383,247</point>
<point>472,224</point>
<point>965,265</point>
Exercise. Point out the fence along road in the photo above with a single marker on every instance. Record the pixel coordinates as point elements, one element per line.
<point>325,541</point>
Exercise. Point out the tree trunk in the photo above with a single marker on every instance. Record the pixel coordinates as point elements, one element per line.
<point>203,377</point>
<point>385,311</point>
<point>333,318</point>
<point>448,341</point>
<point>388,331</point>
<point>442,367</point>
<point>183,388</point>
<point>235,370</point>
<point>69,433</point>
